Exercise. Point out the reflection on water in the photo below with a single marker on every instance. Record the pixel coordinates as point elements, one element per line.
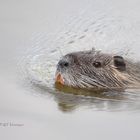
<point>71,99</point>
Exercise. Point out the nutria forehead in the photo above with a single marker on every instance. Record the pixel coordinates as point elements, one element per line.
<point>88,57</point>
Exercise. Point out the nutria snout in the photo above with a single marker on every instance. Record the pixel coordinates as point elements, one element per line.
<point>94,69</point>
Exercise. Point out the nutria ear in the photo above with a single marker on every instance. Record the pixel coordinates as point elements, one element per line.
<point>119,63</point>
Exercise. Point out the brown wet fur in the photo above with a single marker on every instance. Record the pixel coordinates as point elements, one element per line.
<point>96,70</point>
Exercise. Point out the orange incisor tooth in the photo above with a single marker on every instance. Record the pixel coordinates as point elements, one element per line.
<point>59,79</point>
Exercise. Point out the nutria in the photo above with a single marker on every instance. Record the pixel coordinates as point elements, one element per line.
<point>96,70</point>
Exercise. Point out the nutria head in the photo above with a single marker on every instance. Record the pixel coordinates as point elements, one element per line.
<point>91,69</point>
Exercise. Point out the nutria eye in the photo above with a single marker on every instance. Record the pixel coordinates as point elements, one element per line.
<point>66,64</point>
<point>97,64</point>
<point>63,64</point>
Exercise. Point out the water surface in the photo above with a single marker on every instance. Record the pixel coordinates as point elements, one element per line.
<point>34,36</point>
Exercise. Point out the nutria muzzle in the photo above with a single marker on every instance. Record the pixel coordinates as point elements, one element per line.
<point>93,69</point>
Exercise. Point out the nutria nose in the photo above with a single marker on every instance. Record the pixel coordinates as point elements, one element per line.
<point>63,63</point>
